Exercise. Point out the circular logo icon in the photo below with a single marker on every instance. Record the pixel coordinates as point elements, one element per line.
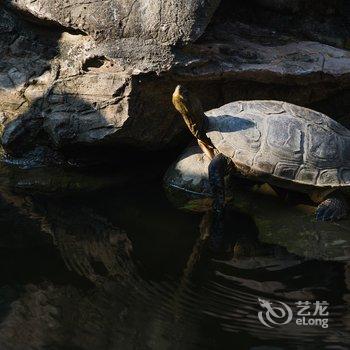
<point>275,313</point>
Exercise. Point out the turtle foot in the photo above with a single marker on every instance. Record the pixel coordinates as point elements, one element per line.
<point>332,209</point>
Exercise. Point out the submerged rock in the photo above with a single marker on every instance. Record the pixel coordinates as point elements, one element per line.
<point>291,224</point>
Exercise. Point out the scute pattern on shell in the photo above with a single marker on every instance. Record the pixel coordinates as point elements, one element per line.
<point>283,141</point>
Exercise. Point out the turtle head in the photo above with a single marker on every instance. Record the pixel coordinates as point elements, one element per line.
<point>190,107</point>
<point>184,101</point>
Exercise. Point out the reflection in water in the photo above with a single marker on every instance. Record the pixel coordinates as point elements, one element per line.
<point>87,240</point>
<point>136,273</point>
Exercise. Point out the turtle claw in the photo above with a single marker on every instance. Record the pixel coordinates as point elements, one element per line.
<point>331,209</point>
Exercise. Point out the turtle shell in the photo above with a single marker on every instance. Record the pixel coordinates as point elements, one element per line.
<point>282,141</point>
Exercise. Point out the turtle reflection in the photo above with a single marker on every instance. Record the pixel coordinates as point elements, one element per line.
<point>89,244</point>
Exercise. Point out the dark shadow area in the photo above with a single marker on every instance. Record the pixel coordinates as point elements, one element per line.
<point>336,106</point>
<point>325,21</point>
<point>230,123</point>
<point>26,51</point>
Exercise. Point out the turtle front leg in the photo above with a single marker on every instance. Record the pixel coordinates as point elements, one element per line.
<point>219,167</point>
<point>333,207</point>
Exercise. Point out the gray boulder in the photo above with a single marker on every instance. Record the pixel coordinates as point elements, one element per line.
<point>164,21</point>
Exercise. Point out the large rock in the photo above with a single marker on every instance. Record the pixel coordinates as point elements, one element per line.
<point>101,74</point>
<point>164,21</point>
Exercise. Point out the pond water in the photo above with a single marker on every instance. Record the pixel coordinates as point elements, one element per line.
<point>122,268</point>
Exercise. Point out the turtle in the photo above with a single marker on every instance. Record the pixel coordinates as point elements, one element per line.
<point>287,146</point>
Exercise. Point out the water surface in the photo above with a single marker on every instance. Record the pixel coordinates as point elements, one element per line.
<point>122,268</point>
